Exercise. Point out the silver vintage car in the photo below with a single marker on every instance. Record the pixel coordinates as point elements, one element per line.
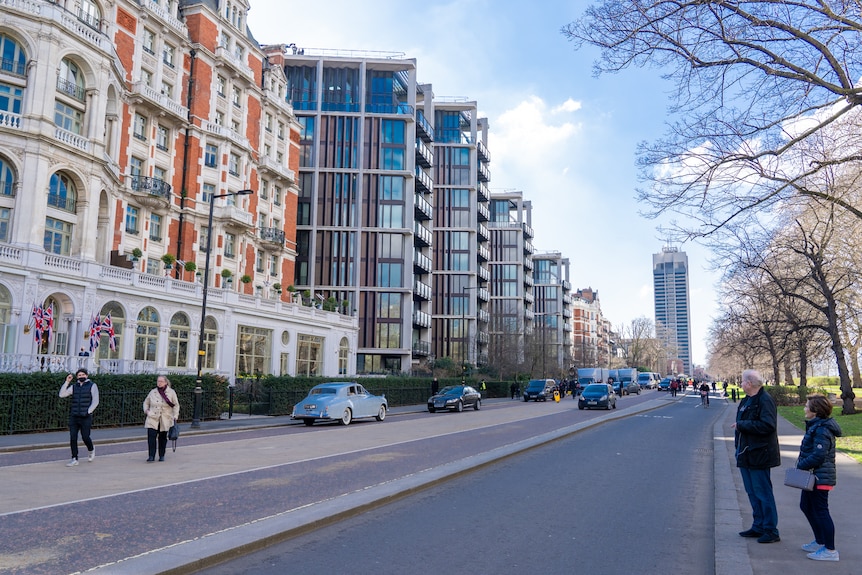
<point>339,401</point>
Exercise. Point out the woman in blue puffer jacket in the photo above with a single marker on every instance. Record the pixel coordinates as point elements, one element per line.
<point>817,453</point>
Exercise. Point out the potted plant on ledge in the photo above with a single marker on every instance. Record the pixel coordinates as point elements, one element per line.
<point>136,254</point>
<point>169,260</point>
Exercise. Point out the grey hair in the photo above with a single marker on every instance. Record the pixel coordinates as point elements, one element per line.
<point>753,377</point>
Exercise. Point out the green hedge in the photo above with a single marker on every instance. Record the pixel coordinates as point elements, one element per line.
<point>792,394</point>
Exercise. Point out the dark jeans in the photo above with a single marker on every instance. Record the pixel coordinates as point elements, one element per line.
<point>815,506</point>
<point>758,486</point>
<point>80,423</point>
<point>151,442</point>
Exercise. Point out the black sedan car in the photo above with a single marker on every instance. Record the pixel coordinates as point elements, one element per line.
<point>455,398</point>
<point>597,395</point>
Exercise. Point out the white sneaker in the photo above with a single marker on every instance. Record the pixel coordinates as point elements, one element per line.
<point>92,455</point>
<point>72,462</point>
<point>824,554</point>
<point>812,547</point>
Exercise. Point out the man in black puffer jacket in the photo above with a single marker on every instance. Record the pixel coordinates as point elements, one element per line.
<point>757,451</point>
<point>85,399</point>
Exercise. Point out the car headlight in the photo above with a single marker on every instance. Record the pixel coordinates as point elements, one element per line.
<point>603,398</point>
<point>453,400</point>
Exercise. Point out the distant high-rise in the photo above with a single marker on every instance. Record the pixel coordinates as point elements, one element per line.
<point>672,316</point>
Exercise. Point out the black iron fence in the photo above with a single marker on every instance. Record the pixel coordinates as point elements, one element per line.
<point>36,411</point>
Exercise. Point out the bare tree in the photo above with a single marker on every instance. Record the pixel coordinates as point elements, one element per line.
<point>755,83</point>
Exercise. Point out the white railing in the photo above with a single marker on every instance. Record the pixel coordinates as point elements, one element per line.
<point>72,139</point>
<point>10,120</point>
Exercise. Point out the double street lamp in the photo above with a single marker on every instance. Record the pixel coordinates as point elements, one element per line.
<point>196,416</point>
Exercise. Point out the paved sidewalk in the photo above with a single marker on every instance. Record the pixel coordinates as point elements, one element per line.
<point>734,555</point>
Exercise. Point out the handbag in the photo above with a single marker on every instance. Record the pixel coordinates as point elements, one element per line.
<point>799,478</point>
<point>174,432</point>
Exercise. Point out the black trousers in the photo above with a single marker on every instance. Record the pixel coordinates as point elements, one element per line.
<point>82,424</point>
<point>162,436</point>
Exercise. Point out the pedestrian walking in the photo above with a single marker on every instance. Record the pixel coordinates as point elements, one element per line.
<point>817,453</point>
<point>162,409</point>
<point>757,452</point>
<point>85,399</point>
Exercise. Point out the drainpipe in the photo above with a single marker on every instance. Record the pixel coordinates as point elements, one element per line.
<point>184,192</point>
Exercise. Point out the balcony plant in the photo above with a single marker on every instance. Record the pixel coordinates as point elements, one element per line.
<point>136,254</point>
<point>246,279</point>
<point>277,287</point>
<point>169,260</point>
<point>190,266</point>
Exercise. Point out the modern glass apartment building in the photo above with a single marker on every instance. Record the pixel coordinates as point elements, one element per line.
<point>672,307</point>
<point>552,314</point>
<point>460,315</point>
<point>363,241</point>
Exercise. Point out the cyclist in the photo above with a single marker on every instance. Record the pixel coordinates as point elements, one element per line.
<point>704,394</point>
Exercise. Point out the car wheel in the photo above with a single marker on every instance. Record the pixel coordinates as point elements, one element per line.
<point>431,410</point>
<point>459,407</point>
<point>478,405</point>
<point>381,413</point>
<point>581,407</point>
<point>346,417</point>
<point>308,422</point>
<point>526,399</point>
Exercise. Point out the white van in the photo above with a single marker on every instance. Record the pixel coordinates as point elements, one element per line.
<point>647,380</point>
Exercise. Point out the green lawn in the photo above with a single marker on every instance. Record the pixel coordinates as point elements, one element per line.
<point>851,426</point>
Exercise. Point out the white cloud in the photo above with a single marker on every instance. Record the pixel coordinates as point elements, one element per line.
<point>567,106</point>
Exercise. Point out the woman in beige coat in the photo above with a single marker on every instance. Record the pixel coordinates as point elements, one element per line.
<point>162,408</point>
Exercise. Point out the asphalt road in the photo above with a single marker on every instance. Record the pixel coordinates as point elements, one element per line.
<point>633,495</point>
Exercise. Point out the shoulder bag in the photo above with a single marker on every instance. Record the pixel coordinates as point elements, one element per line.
<point>799,478</point>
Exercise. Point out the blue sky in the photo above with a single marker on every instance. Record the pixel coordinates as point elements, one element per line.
<point>563,137</point>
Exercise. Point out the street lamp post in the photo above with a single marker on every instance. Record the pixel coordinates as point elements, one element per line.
<point>198,403</point>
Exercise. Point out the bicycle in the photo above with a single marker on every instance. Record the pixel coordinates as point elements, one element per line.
<point>704,398</point>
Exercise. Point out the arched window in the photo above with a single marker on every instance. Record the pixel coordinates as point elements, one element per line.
<point>7,178</point>
<point>210,340</point>
<point>343,356</point>
<point>90,14</point>
<point>147,334</point>
<point>7,192</point>
<point>178,341</point>
<point>12,57</point>
<point>110,317</point>
<point>62,192</point>
<point>69,110</point>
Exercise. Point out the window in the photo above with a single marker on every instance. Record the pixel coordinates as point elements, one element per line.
<point>162,137</point>
<point>280,131</point>
<point>254,350</point>
<point>210,155</point>
<point>136,166</point>
<point>160,174</point>
<point>68,118</point>
<point>268,123</point>
<point>178,341</point>
<point>132,215</point>
<point>70,80</point>
<point>5,216</point>
<point>276,196</point>
<point>236,97</point>
<point>147,78</point>
<point>273,265</point>
<point>224,41</point>
<point>155,227</point>
<point>11,98</point>
<point>147,335</point>
<point>264,189</point>
<point>309,354</point>
<point>208,191</point>
<point>235,126</point>
<point>210,339</point>
<point>233,165</point>
<point>12,58</point>
<point>149,41</point>
<point>90,14</point>
<point>118,322</point>
<point>229,245</point>
<point>7,179</point>
<point>389,274</point>
<point>62,192</point>
<point>259,261</point>
<point>58,237</point>
<point>204,239</point>
<point>167,90</point>
<point>343,356</point>
<point>154,266</point>
<point>168,55</point>
<point>221,84</point>
<point>139,127</point>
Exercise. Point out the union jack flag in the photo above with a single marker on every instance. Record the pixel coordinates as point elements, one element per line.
<point>108,327</point>
<point>48,320</point>
<point>36,316</point>
<point>95,332</point>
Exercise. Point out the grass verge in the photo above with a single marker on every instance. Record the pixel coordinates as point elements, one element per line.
<point>851,427</point>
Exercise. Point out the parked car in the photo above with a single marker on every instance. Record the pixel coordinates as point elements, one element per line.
<point>664,384</point>
<point>597,395</point>
<point>540,390</point>
<point>339,401</point>
<point>631,387</point>
<point>455,398</point>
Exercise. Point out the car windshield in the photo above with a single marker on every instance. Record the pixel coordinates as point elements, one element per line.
<point>451,390</point>
<point>536,384</point>
<point>596,388</point>
<point>323,391</point>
